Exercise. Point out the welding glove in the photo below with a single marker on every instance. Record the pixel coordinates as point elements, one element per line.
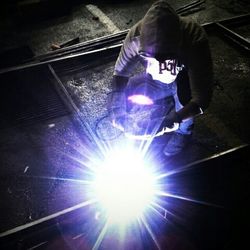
<point>170,120</point>
<point>159,126</point>
<point>118,103</point>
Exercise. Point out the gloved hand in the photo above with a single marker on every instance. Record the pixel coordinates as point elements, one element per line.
<point>117,101</point>
<point>159,126</point>
<point>117,107</point>
<point>170,123</point>
<point>170,120</point>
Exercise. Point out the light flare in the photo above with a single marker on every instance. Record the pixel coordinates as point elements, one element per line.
<point>126,189</point>
<point>124,186</point>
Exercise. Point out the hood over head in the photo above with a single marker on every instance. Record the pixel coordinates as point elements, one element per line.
<point>160,34</point>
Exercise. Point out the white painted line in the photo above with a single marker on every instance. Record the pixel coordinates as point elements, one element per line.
<point>94,10</point>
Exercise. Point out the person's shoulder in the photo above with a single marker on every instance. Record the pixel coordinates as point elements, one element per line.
<point>135,31</point>
<point>193,32</point>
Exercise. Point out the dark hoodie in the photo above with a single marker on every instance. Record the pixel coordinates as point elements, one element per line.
<point>162,32</point>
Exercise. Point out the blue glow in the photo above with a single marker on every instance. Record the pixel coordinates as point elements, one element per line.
<point>126,191</point>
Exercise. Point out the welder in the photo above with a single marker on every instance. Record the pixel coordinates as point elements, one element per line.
<point>175,53</point>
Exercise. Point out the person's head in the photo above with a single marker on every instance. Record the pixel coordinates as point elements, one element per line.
<point>160,32</point>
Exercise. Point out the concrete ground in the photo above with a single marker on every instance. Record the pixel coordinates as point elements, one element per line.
<point>32,156</point>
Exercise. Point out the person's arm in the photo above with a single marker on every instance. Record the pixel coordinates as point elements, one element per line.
<point>127,60</point>
<point>200,71</point>
<point>125,63</point>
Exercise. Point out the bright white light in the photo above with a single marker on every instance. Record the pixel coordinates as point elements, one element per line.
<point>124,187</point>
<point>140,99</point>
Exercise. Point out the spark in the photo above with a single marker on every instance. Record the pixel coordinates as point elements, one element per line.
<point>151,233</point>
<point>187,199</point>
<point>101,236</point>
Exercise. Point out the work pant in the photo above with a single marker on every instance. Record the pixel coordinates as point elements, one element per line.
<point>143,84</point>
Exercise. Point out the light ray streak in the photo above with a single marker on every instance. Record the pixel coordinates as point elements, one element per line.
<point>82,113</point>
<point>158,212</point>
<point>101,236</point>
<point>90,164</point>
<point>144,221</point>
<point>86,182</point>
<point>165,211</point>
<point>160,193</point>
<point>172,172</point>
<point>194,164</point>
<point>144,146</point>
<point>90,160</point>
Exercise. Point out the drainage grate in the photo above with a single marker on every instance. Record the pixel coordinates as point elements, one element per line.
<point>28,97</point>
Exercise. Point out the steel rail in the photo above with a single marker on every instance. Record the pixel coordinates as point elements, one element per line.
<point>118,37</point>
<point>22,234</point>
<point>233,36</point>
<point>189,7</point>
<point>71,105</point>
<point>94,47</point>
<point>54,60</point>
<point>34,233</point>
<point>105,40</point>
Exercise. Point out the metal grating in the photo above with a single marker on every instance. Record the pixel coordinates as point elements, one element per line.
<point>28,97</point>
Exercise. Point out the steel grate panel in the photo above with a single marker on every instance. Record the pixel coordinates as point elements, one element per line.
<point>28,97</point>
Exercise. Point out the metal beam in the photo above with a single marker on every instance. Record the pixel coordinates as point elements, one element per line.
<point>231,162</point>
<point>106,43</point>
<point>233,36</point>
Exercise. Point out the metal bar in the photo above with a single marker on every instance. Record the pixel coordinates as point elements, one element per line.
<point>118,37</point>
<point>233,36</point>
<point>189,7</point>
<point>70,42</point>
<point>90,44</point>
<point>226,159</point>
<point>71,104</point>
<point>104,41</point>
<point>34,64</point>
<point>45,219</point>
<point>232,21</point>
<point>242,19</point>
<point>41,229</point>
